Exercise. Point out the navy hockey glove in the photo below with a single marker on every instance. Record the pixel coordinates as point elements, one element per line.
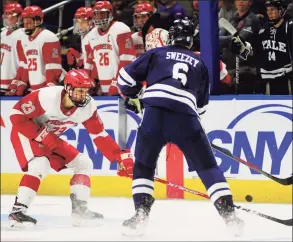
<point>133,104</point>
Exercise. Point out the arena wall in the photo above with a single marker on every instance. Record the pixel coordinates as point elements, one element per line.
<point>255,128</point>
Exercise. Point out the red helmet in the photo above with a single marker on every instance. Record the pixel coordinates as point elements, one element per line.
<point>78,79</point>
<point>142,9</point>
<point>13,9</point>
<point>86,13</point>
<point>33,12</point>
<point>103,6</point>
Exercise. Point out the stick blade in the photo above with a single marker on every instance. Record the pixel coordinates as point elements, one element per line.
<point>224,23</point>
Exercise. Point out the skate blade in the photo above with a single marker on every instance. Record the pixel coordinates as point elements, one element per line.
<point>20,225</point>
<point>77,221</point>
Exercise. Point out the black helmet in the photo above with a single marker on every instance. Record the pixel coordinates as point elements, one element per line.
<point>181,33</point>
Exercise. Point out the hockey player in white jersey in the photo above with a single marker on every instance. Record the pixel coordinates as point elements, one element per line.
<point>42,50</point>
<point>12,60</point>
<point>83,23</point>
<point>111,48</point>
<point>142,13</point>
<point>38,120</point>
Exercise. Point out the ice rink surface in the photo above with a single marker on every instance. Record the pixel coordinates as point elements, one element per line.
<point>170,220</point>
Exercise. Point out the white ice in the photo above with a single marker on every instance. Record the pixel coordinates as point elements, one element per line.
<point>170,220</point>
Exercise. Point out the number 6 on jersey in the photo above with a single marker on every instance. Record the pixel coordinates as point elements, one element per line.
<point>179,72</point>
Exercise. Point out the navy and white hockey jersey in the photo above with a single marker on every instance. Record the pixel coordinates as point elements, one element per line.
<point>176,79</point>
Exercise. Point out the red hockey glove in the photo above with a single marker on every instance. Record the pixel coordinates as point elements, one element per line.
<point>21,87</point>
<point>125,161</point>
<point>12,88</point>
<point>48,138</point>
<point>113,90</point>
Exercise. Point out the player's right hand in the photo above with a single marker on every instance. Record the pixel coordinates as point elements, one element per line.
<point>133,104</point>
<point>12,88</point>
<point>125,163</point>
<point>48,138</point>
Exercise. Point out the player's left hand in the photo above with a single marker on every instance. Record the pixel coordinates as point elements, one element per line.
<point>126,163</point>
<point>133,104</point>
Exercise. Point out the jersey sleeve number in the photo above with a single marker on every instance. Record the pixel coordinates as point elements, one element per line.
<point>28,107</point>
<point>104,59</point>
<point>179,72</point>
<point>32,64</point>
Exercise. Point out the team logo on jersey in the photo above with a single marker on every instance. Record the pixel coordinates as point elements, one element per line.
<point>55,53</point>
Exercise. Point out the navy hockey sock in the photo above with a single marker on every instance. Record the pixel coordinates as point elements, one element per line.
<point>215,183</point>
<point>142,185</point>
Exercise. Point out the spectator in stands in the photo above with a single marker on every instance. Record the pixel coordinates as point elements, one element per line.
<point>248,27</point>
<point>123,11</point>
<point>227,9</point>
<point>172,7</point>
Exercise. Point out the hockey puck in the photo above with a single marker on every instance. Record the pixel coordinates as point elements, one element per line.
<point>248,198</point>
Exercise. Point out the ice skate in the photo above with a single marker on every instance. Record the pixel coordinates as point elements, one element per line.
<point>226,210</point>
<point>137,225</point>
<point>82,216</point>
<point>18,219</point>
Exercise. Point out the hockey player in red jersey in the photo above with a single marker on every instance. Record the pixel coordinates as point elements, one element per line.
<point>38,120</point>
<point>12,60</point>
<point>42,50</point>
<point>83,23</point>
<point>111,47</point>
<point>142,13</point>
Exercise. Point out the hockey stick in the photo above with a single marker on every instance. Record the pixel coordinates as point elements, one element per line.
<point>283,181</point>
<point>287,222</point>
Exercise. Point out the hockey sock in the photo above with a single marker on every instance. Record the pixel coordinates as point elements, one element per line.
<point>215,183</point>
<point>142,185</point>
<point>80,185</point>
<point>28,189</point>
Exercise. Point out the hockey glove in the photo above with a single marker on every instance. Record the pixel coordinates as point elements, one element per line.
<point>48,138</point>
<point>240,47</point>
<point>12,88</point>
<point>21,87</point>
<point>126,163</point>
<point>134,104</point>
<point>113,90</point>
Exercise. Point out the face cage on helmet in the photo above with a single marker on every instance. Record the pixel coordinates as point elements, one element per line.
<point>16,26</point>
<point>69,89</point>
<point>103,23</point>
<point>135,23</point>
<point>80,32</point>
<point>31,31</point>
